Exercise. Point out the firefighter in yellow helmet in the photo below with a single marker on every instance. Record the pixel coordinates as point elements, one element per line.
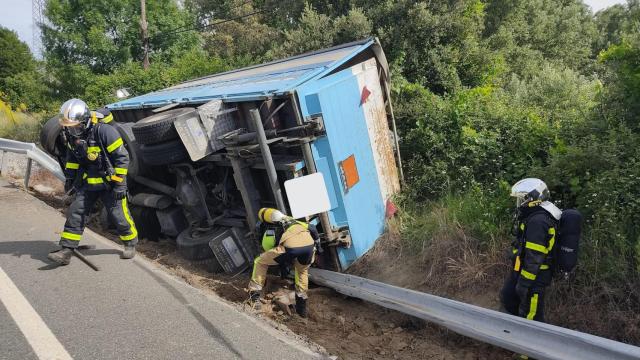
<point>96,167</point>
<point>290,243</point>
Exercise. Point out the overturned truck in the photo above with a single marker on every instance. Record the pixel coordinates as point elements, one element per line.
<point>312,135</point>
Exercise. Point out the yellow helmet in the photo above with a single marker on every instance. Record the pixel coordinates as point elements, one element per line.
<point>271,216</point>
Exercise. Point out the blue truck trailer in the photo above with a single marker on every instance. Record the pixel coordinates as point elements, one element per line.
<point>209,153</point>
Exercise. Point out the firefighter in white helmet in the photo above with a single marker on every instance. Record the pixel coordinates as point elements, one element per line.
<point>533,254</point>
<point>290,243</point>
<point>96,167</point>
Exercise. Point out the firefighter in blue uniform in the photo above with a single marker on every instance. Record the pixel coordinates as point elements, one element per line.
<point>96,167</point>
<point>532,263</point>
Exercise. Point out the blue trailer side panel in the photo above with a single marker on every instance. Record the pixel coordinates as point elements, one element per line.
<point>362,206</point>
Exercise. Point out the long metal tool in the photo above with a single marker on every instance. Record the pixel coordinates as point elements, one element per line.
<point>532,338</point>
<point>80,256</point>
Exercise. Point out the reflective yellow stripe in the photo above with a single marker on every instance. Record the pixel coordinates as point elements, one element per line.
<point>71,165</point>
<point>70,236</point>
<point>296,277</point>
<point>94,181</point>
<point>121,171</point>
<point>533,307</point>
<point>107,119</point>
<point>544,267</point>
<point>84,176</point>
<point>255,266</point>
<point>94,118</point>
<point>115,178</point>
<point>536,247</point>
<point>132,226</point>
<point>116,144</point>
<point>522,227</point>
<point>515,251</point>
<point>95,149</point>
<point>552,241</point>
<point>527,275</point>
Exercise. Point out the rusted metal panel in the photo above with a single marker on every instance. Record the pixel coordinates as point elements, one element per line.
<point>372,102</point>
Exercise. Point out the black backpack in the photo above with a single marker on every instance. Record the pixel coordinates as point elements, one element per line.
<point>568,244</point>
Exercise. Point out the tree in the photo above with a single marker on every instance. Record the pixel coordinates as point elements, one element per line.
<point>102,34</point>
<point>529,32</point>
<point>316,31</point>
<point>437,44</point>
<point>614,22</point>
<point>15,56</point>
<point>623,93</point>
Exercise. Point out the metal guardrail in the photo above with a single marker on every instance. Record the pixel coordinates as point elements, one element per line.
<point>536,339</point>
<point>33,153</point>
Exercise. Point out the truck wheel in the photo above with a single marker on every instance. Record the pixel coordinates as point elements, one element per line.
<point>50,139</point>
<point>169,152</point>
<point>159,127</point>
<point>195,246</point>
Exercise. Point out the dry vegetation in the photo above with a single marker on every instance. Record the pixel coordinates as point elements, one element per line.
<point>18,125</point>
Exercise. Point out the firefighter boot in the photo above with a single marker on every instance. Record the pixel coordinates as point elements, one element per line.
<point>254,300</point>
<point>62,256</point>
<point>301,306</point>
<point>129,252</point>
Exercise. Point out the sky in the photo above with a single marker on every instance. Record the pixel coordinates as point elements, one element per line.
<point>16,15</point>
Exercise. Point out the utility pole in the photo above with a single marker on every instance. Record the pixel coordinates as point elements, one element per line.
<point>145,36</point>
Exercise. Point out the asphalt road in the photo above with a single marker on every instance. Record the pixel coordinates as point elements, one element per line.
<point>129,310</point>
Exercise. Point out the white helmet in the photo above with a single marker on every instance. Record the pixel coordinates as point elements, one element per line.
<point>528,190</point>
<point>74,112</point>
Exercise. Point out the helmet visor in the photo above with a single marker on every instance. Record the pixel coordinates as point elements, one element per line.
<point>76,130</point>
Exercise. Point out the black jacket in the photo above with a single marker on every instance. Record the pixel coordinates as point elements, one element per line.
<point>535,247</point>
<point>89,162</point>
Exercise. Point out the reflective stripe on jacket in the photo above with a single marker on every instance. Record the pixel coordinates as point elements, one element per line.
<point>103,141</point>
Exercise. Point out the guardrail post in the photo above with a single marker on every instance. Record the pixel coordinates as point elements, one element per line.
<point>27,174</point>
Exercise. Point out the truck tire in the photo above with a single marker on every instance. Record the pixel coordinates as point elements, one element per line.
<point>195,246</point>
<point>169,152</point>
<point>50,139</point>
<point>159,127</point>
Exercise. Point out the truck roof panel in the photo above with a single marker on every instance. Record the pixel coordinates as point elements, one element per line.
<point>258,81</point>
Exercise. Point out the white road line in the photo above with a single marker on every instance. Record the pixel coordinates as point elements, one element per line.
<point>37,333</point>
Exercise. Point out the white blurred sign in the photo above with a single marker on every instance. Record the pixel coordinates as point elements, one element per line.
<point>307,195</point>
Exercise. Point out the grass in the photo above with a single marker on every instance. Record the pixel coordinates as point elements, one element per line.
<point>460,237</point>
<point>18,125</point>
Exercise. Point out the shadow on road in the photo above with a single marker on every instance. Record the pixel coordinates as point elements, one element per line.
<point>211,329</point>
<point>38,250</point>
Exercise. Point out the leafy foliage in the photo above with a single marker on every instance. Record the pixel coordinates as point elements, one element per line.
<point>102,34</point>
<point>15,56</point>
